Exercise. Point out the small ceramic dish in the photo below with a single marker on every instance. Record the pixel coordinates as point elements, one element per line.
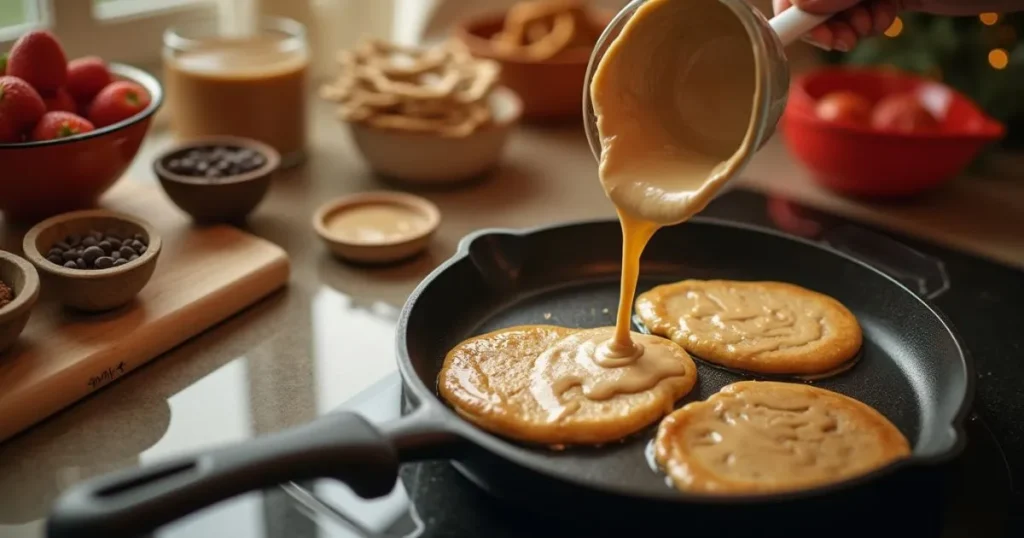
<point>377,227</point>
<point>427,158</point>
<point>23,280</point>
<point>228,198</point>
<point>92,290</point>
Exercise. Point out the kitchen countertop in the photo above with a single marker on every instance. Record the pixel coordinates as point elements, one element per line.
<point>308,348</point>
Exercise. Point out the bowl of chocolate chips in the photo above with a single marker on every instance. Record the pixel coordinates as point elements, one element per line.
<point>218,179</point>
<point>93,260</point>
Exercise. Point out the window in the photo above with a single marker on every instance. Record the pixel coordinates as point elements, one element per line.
<point>127,31</point>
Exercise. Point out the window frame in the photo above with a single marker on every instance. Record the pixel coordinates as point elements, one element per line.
<point>130,33</point>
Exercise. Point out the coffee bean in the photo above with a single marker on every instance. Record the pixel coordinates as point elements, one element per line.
<point>70,264</point>
<point>126,251</point>
<point>106,246</point>
<point>92,253</point>
<point>89,241</point>
<point>116,255</point>
<point>119,262</point>
<point>138,245</point>
<point>133,258</point>
<point>80,262</point>
<point>61,245</point>
<point>69,255</point>
<point>105,262</point>
<point>57,260</point>
<point>141,239</point>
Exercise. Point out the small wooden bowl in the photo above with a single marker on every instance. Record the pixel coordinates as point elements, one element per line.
<point>24,281</point>
<point>377,252</point>
<point>92,290</point>
<point>227,199</point>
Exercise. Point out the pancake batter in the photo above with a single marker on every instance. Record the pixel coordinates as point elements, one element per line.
<point>763,327</point>
<point>760,437</point>
<point>556,386</point>
<point>674,97</point>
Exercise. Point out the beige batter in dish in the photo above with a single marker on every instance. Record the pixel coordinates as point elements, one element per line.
<point>376,224</point>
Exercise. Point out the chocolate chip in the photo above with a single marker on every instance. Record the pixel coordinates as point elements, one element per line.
<point>73,240</point>
<point>105,262</point>
<point>54,252</point>
<point>119,262</point>
<point>61,245</point>
<point>55,260</point>
<point>69,255</point>
<point>92,253</point>
<point>141,239</point>
<point>114,242</point>
<point>126,251</point>
<point>138,245</point>
<point>70,264</point>
<point>133,258</point>
<point>80,262</point>
<point>89,241</point>
<point>106,246</point>
<point>116,255</point>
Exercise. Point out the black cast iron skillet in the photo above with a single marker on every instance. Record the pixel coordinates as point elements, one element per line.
<point>911,368</point>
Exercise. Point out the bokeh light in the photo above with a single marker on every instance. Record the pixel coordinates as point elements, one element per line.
<point>895,28</point>
<point>998,58</point>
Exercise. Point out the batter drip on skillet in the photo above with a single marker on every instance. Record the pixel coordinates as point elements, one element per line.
<point>555,386</point>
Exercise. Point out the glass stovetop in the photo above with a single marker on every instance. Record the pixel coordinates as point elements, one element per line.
<point>984,300</point>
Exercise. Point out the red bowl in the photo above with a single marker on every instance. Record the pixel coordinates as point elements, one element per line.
<point>42,179</point>
<point>868,162</point>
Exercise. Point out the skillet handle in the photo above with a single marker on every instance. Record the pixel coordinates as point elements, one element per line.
<point>342,445</point>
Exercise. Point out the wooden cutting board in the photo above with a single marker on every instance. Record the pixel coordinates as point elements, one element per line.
<point>203,276</point>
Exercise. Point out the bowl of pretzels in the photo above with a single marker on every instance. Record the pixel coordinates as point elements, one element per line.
<point>543,47</point>
<point>424,115</point>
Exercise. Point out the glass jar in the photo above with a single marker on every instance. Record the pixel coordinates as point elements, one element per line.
<point>252,86</point>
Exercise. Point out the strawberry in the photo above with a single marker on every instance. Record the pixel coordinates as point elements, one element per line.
<point>20,108</point>
<point>38,59</point>
<point>86,77</point>
<point>61,100</point>
<point>118,101</point>
<point>60,124</point>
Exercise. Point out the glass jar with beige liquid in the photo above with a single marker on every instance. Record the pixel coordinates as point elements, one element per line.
<point>251,85</point>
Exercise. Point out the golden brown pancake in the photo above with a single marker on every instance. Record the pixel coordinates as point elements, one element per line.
<point>761,437</point>
<point>763,327</point>
<point>552,386</point>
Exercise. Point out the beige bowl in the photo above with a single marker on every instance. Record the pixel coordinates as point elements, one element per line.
<point>425,158</point>
<point>93,290</point>
<point>378,251</point>
<point>24,282</point>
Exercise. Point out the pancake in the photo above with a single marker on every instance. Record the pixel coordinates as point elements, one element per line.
<point>761,327</point>
<point>555,386</point>
<point>765,437</point>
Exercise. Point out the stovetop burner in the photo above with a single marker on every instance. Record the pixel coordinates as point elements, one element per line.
<point>983,496</point>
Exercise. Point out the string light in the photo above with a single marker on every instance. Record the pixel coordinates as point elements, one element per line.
<point>895,28</point>
<point>989,19</point>
<point>998,58</point>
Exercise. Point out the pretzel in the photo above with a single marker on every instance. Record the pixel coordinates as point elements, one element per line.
<point>441,89</point>
<point>541,29</point>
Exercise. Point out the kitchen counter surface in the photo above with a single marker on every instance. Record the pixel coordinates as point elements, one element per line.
<point>306,349</point>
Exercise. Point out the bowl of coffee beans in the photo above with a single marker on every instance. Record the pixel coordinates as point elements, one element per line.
<point>19,289</point>
<point>217,179</point>
<point>94,260</point>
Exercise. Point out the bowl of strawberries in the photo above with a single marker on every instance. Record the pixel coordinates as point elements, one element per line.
<point>68,130</point>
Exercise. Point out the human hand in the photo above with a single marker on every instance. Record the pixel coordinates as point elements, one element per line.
<point>851,20</point>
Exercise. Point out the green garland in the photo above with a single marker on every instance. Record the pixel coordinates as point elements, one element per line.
<point>956,51</point>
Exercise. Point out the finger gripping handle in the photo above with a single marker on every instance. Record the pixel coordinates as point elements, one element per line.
<point>136,501</point>
<point>794,23</point>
